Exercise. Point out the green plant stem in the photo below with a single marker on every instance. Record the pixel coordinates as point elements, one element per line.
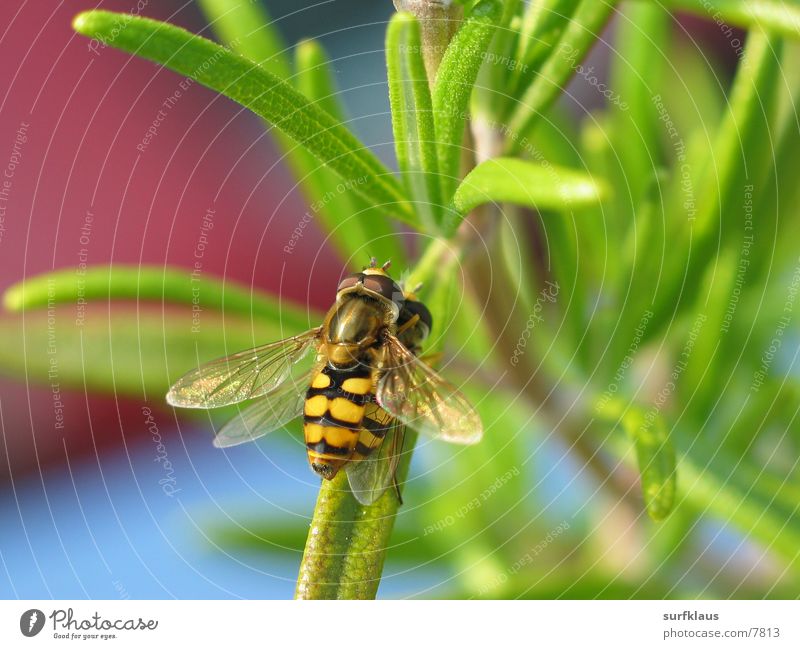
<point>347,541</point>
<point>439,21</point>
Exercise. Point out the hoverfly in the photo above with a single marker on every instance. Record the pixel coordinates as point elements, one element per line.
<point>366,383</point>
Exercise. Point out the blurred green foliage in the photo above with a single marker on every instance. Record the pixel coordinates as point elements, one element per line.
<point>615,289</point>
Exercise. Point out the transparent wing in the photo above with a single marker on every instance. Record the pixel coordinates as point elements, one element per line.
<point>269,413</point>
<point>414,393</point>
<point>370,477</point>
<point>243,376</point>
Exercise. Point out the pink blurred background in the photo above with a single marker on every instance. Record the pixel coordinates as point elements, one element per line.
<point>83,114</point>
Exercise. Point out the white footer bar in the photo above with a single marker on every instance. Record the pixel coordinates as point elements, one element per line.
<point>408,624</point>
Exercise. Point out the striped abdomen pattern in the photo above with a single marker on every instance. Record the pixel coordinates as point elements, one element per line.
<point>342,422</point>
<point>333,414</point>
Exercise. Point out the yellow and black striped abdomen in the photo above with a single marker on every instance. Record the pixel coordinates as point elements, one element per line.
<point>333,416</point>
<point>374,427</point>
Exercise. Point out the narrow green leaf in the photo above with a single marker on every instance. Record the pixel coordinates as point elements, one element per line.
<point>743,146</point>
<point>779,16</point>
<point>357,229</point>
<point>743,150</point>
<point>355,232</point>
<point>693,91</point>
<point>699,383</point>
<point>709,486</point>
<point>537,185</point>
<point>314,78</point>
<point>567,281</point>
<point>741,156</point>
<point>246,27</point>
<point>512,11</point>
<point>453,87</point>
<point>412,116</point>
<point>126,351</point>
<point>655,454</point>
<point>656,458</point>
<point>778,196</point>
<point>160,284</point>
<point>635,162</point>
<point>518,259</point>
<point>491,97</point>
<point>601,233</point>
<point>257,89</point>
<point>243,26</point>
<point>542,26</point>
<point>636,77</point>
<point>577,39</point>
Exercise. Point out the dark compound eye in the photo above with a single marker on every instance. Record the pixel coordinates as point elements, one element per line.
<point>383,286</point>
<point>412,308</point>
<point>350,281</point>
<point>380,284</point>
